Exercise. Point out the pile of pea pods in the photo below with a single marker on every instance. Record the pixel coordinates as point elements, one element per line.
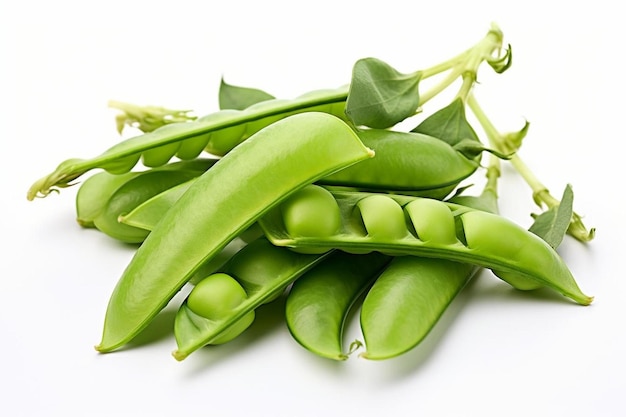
<point>319,199</point>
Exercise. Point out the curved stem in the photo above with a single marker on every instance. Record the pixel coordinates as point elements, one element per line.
<point>508,143</point>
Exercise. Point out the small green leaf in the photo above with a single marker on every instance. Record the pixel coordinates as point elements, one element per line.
<point>239,98</point>
<point>551,225</point>
<point>448,124</point>
<point>472,149</point>
<point>380,96</point>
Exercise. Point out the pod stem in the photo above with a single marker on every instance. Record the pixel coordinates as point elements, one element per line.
<point>510,143</point>
<point>464,65</point>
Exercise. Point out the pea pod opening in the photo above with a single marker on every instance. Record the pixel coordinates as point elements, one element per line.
<point>263,271</point>
<point>481,238</point>
<point>222,203</point>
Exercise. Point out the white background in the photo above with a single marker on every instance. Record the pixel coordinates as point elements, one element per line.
<point>495,352</point>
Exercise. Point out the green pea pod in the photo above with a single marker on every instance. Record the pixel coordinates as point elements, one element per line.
<point>263,271</point>
<point>93,194</point>
<point>222,203</point>
<point>96,192</point>
<point>458,234</point>
<point>407,300</point>
<point>217,133</point>
<point>406,162</point>
<point>139,189</point>
<point>147,214</point>
<point>319,302</point>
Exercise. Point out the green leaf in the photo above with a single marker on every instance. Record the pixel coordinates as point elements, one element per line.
<point>551,225</point>
<point>380,96</point>
<point>239,98</point>
<point>449,124</point>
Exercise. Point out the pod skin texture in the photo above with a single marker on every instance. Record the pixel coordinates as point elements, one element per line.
<point>222,203</point>
<point>406,301</point>
<point>406,162</point>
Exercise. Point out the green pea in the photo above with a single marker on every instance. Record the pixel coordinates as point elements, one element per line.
<point>382,217</point>
<point>311,211</point>
<point>406,301</point>
<point>433,221</point>
<point>215,297</point>
<point>319,302</point>
<point>239,189</point>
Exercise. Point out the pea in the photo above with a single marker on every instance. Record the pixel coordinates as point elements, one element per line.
<point>382,217</point>
<point>214,298</point>
<point>312,211</point>
<point>433,221</point>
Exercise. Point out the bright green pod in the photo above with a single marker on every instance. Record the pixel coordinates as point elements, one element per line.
<point>219,133</point>
<point>94,192</point>
<point>239,189</point>
<point>263,271</point>
<point>319,302</point>
<point>406,301</point>
<point>482,239</point>
<point>150,212</point>
<point>407,162</point>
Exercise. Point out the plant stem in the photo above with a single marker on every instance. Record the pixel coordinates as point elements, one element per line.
<point>465,64</point>
<point>510,143</point>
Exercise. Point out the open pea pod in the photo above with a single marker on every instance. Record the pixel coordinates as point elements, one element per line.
<point>217,133</point>
<point>263,271</point>
<point>239,189</point>
<point>404,225</point>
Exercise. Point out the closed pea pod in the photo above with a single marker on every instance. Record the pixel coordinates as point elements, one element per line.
<point>319,302</point>
<point>139,188</point>
<point>407,162</point>
<point>218,134</point>
<point>406,301</point>
<point>94,192</point>
<point>222,203</point>
<point>262,272</point>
